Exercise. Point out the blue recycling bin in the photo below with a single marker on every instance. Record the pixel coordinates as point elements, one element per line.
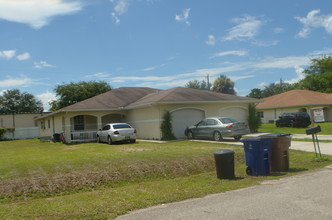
<point>257,152</point>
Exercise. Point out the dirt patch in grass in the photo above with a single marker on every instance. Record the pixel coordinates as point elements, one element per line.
<point>65,183</point>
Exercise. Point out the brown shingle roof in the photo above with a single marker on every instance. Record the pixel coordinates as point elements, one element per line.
<point>296,98</point>
<point>183,95</point>
<point>136,96</point>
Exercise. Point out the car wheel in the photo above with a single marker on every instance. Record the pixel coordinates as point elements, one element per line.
<point>217,136</point>
<point>133,141</point>
<point>190,135</point>
<point>249,171</point>
<point>109,140</point>
<point>237,138</point>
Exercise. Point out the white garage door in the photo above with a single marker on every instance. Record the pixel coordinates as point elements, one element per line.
<point>239,114</point>
<point>183,118</point>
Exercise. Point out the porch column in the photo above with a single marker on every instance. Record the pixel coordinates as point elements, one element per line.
<point>67,128</point>
<point>99,123</point>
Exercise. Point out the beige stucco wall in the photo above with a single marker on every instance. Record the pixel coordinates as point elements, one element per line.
<point>18,120</point>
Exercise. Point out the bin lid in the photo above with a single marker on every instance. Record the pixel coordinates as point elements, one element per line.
<point>224,151</point>
<point>252,139</point>
<point>275,135</point>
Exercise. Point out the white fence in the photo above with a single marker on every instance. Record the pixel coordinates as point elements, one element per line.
<point>22,133</point>
<point>84,136</point>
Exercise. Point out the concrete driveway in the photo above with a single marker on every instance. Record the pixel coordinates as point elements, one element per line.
<point>304,196</point>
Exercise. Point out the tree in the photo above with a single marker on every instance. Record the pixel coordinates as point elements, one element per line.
<point>318,75</point>
<point>13,101</point>
<point>223,84</point>
<point>256,93</point>
<point>253,120</point>
<point>72,93</point>
<point>195,84</point>
<point>270,90</point>
<point>166,127</point>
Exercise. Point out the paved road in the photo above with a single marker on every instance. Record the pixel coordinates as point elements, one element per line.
<point>304,196</point>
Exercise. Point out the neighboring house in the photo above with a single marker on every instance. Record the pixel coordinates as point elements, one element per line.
<point>317,104</point>
<point>22,125</point>
<point>143,108</point>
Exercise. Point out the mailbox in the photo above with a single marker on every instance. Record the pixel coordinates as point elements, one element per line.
<point>313,130</point>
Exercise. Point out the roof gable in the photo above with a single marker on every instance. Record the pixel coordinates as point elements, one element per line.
<point>296,98</point>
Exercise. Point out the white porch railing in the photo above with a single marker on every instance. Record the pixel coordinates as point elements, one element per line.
<point>83,136</point>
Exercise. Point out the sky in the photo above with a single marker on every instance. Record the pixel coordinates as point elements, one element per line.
<point>158,43</point>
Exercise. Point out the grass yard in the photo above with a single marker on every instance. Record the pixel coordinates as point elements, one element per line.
<point>272,128</point>
<point>41,180</point>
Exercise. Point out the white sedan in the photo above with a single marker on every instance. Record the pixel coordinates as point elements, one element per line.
<point>116,132</point>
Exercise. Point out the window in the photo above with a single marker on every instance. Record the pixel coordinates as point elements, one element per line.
<point>260,114</point>
<point>106,127</point>
<point>79,123</point>
<point>211,122</point>
<point>120,126</point>
<point>42,124</point>
<point>49,124</point>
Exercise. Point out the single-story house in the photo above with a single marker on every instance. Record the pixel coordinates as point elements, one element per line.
<point>317,104</point>
<point>143,108</point>
<point>20,125</point>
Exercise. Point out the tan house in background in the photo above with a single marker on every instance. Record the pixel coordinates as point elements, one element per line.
<point>317,104</point>
<point>143,108</point>
<point>23,124</point>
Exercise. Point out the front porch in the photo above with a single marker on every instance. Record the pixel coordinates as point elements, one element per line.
<point>84,127</point>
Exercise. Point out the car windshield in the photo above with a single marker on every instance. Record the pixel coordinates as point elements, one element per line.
<point>120,126</point>
<point>227,120</point>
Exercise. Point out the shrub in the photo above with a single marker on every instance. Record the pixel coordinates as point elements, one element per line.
<point>166,127</point>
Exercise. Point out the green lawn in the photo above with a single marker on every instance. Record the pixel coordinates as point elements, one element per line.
<point>326,128</point>
<point>40,180</point>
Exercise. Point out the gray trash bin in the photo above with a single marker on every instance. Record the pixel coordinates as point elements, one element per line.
<point>224,164</point>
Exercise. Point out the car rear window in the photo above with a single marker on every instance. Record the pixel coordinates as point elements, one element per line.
<point>227,120</point>
<point>120,126</point>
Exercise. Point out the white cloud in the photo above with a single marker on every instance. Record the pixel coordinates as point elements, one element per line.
<point>100,75</point>
<point>231,52</point>
<point>42,64</point>
<point>45,98</point>
<point>211,41</point>
<point>313,21</point>
<point>14,82</point>
<point>149,68</point>
<point>184,16</point>
<point>36,13</point>
<point>247,28</point>
<point>23,56</point>
<point>281,63</point>
<point>7,54</point>
<point>278,30</point>
<point>121,7</point>
<point>300,75</point>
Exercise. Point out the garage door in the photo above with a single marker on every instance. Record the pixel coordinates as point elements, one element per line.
<point>183,118</point>
<point>239,114</point>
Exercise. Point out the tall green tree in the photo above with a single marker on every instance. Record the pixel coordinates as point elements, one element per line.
<point>72,93</point>
<point>13,101</point>
<point>270,90</point>
<point>318,75</point>
<point>223,84</point>
<point>195,84</point>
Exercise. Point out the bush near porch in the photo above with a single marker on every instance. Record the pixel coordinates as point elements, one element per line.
<point>40,180</point>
